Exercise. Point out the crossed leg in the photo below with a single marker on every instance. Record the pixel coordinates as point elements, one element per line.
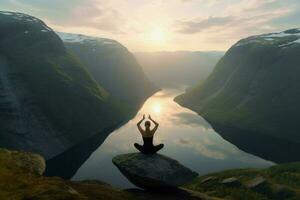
<point>152,150</point>
<point>157,148</point>
<point>139,147</point>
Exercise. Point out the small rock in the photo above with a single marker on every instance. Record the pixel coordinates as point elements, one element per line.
<point>211,193</point>
<point>259,184</point>
<point>153,171</point>
<point>72,191</point>
<point>228,198</point>
<point>283,192</point>
<point>22,161</point>
<point>208,179</point>
<point>231,182</point>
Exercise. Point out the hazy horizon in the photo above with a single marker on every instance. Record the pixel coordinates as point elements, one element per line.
<point>179,25</point>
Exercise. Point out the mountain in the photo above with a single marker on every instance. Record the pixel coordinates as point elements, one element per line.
<point>252,96</point>
<point>179,68</point>
<point>112,66</point>
<point>49,101</point>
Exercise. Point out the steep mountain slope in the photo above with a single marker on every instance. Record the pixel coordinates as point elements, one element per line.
<point>112,66</point>
<point>252,96</point>
<point>179,68</point>
<point>48,101</point>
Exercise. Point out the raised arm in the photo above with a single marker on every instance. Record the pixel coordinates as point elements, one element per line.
<point>139,124</point>
<point>155,123</point>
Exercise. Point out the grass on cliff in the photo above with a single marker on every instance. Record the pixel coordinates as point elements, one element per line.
<point>20,179</point>
<point>284,176</point>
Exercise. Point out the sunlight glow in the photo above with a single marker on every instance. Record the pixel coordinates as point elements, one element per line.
<point>158,36</point>
<point>157,108</point>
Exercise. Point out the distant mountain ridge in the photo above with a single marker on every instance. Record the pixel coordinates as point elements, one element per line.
<point>49,99</point>
<point>111,65</point>
<point>178,68</point>
<point>252,96</point>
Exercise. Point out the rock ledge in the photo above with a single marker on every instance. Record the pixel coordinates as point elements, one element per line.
<point>153,171</point>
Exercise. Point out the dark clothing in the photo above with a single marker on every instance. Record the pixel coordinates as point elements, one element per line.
<point>148,147</point>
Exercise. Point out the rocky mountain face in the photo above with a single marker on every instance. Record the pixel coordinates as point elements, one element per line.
<point>252,96</point>
<point>111,65</point>
<point>178,68</point>
<point>49,101</point>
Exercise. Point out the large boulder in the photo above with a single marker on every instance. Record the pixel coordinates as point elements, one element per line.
<point>21,162</point>
<point>153,171</point>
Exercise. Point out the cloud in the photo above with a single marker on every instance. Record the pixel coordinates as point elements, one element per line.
<point>245,16</point>
<point>189,24</point>
<point>183,141</point>
<point>91,14</point>
<point>291,19</point>
<point>210,2</point>
<point>190,27</point>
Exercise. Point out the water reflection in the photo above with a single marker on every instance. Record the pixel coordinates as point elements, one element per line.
<point>66,164</point>
<point>187,138</point>
<point>190,119</point>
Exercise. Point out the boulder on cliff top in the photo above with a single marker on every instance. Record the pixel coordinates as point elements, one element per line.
<point>258,184</point>
<point>153,171</point>
<point>22,162</point>
<point>231,182</point>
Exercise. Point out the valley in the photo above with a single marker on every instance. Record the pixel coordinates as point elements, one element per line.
<point>113,105</point>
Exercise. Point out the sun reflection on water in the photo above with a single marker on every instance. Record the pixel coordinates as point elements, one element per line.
<point>187,137</point>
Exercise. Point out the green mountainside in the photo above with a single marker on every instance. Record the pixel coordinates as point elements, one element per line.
<point>255,89</point>
<point>112,66</point>
<point>49,101</point>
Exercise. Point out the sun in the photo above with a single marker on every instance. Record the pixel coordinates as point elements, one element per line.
<point>156,108</point>
<point>158,36</point>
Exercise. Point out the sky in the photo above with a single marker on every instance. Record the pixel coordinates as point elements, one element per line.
<point>164,25</point>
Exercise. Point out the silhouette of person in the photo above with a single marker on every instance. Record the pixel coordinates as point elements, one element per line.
<point>148,147</point>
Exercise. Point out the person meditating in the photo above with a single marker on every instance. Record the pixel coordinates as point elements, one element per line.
<point>148,147</point>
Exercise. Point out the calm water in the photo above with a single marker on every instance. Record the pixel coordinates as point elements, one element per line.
<point>188,138</point>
